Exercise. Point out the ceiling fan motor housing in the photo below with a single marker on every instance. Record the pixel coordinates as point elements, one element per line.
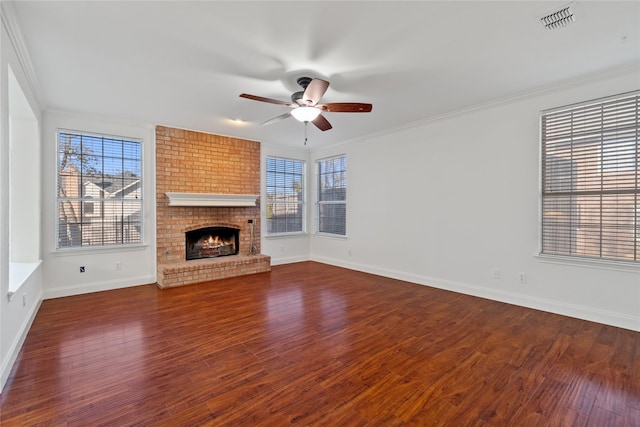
<point>304,81</point>
<point>296,97</point>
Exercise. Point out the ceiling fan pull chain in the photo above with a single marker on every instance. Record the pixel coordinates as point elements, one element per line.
<point>306,124</point>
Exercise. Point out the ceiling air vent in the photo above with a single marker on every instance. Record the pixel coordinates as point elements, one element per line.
<point>558,19</point>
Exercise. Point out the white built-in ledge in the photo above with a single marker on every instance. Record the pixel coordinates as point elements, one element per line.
<point>213,200</point>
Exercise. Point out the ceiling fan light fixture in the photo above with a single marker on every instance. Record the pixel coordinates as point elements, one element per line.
<point>305,114</point>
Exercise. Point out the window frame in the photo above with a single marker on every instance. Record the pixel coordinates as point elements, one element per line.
<point>302,204</point>
<point>319,203</point>
<point>101,201</point>
<point>605,157</point>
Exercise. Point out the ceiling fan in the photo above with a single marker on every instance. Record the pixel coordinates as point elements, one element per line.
<point>306,107</point>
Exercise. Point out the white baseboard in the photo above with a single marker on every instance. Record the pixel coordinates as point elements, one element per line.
<point>16,345</point>
<point>288,260</point>
<point>65,291</point>
<point>557,307</point>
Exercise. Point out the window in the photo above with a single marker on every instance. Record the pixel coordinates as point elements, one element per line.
<point>332,195</point>
<point>23,185</point>
<point>88,206</point>
<point>285,196</point>
<point>591,179</point>
<point>99,190</point>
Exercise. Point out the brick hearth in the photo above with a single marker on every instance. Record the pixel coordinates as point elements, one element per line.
<point>202,270</point>
<point>195,162</point>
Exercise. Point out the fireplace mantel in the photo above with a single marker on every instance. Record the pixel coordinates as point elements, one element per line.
<point>211,200</point>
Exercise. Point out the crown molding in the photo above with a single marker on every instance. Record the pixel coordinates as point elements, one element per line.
<point>8,17</point>
<point>628,68</point>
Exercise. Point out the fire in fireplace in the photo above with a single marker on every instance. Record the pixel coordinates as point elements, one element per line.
<point>212,242</point>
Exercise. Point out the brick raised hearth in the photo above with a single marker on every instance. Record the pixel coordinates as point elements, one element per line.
<point>201,163</point>
<point>196,271</point>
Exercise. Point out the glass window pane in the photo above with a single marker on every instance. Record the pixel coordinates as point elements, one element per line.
<point>590,185</point>
<point>285,196</point>
<point>332,188</point>
<point>99,190</point>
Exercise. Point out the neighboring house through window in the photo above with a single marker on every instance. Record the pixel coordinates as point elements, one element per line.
<point>591,179</point>
<point>285,186</point>
<point>99,199</point>
<point>332,195</point>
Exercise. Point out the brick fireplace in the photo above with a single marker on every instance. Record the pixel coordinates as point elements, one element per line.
<point>209,170</point>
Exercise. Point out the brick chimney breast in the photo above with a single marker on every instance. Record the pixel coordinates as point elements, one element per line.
<point>196,162</point>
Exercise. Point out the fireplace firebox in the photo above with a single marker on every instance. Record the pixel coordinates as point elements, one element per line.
<point>211,242</point>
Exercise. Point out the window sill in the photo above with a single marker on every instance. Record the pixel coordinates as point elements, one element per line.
<point>99,249</point>
<point>600,264</point>
<point>19,272</point>
<point>331,236</point>
<point>285,235</point>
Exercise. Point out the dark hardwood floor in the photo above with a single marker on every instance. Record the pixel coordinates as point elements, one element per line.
<point>311,344</point>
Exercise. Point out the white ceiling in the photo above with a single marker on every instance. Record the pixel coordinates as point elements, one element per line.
<point>184,64</point>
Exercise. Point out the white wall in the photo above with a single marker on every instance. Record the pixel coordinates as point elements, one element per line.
<point>17,313</point>
<point>292,248</point>
<point>446,202</point>
<point>24,190</point>
<point>62,268</point>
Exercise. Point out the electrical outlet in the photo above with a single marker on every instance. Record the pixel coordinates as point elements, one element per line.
<point>82,269</point>
<point>496,274</point>
<point>522,277</point>
<point>118,265</point>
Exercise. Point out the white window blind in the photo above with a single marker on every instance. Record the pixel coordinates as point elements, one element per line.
<point>99,199</point>
<point>332,195</point>
<point>591,179</point>
<point>285,196</point>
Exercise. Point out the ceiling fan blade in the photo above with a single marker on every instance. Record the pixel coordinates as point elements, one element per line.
<point>322,123</point>
<point>277,119</point>
<point>345,107</point>
<point>314,91</point>
<point>269,100</point>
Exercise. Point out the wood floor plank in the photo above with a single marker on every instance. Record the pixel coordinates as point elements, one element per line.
<point>316,345</point>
